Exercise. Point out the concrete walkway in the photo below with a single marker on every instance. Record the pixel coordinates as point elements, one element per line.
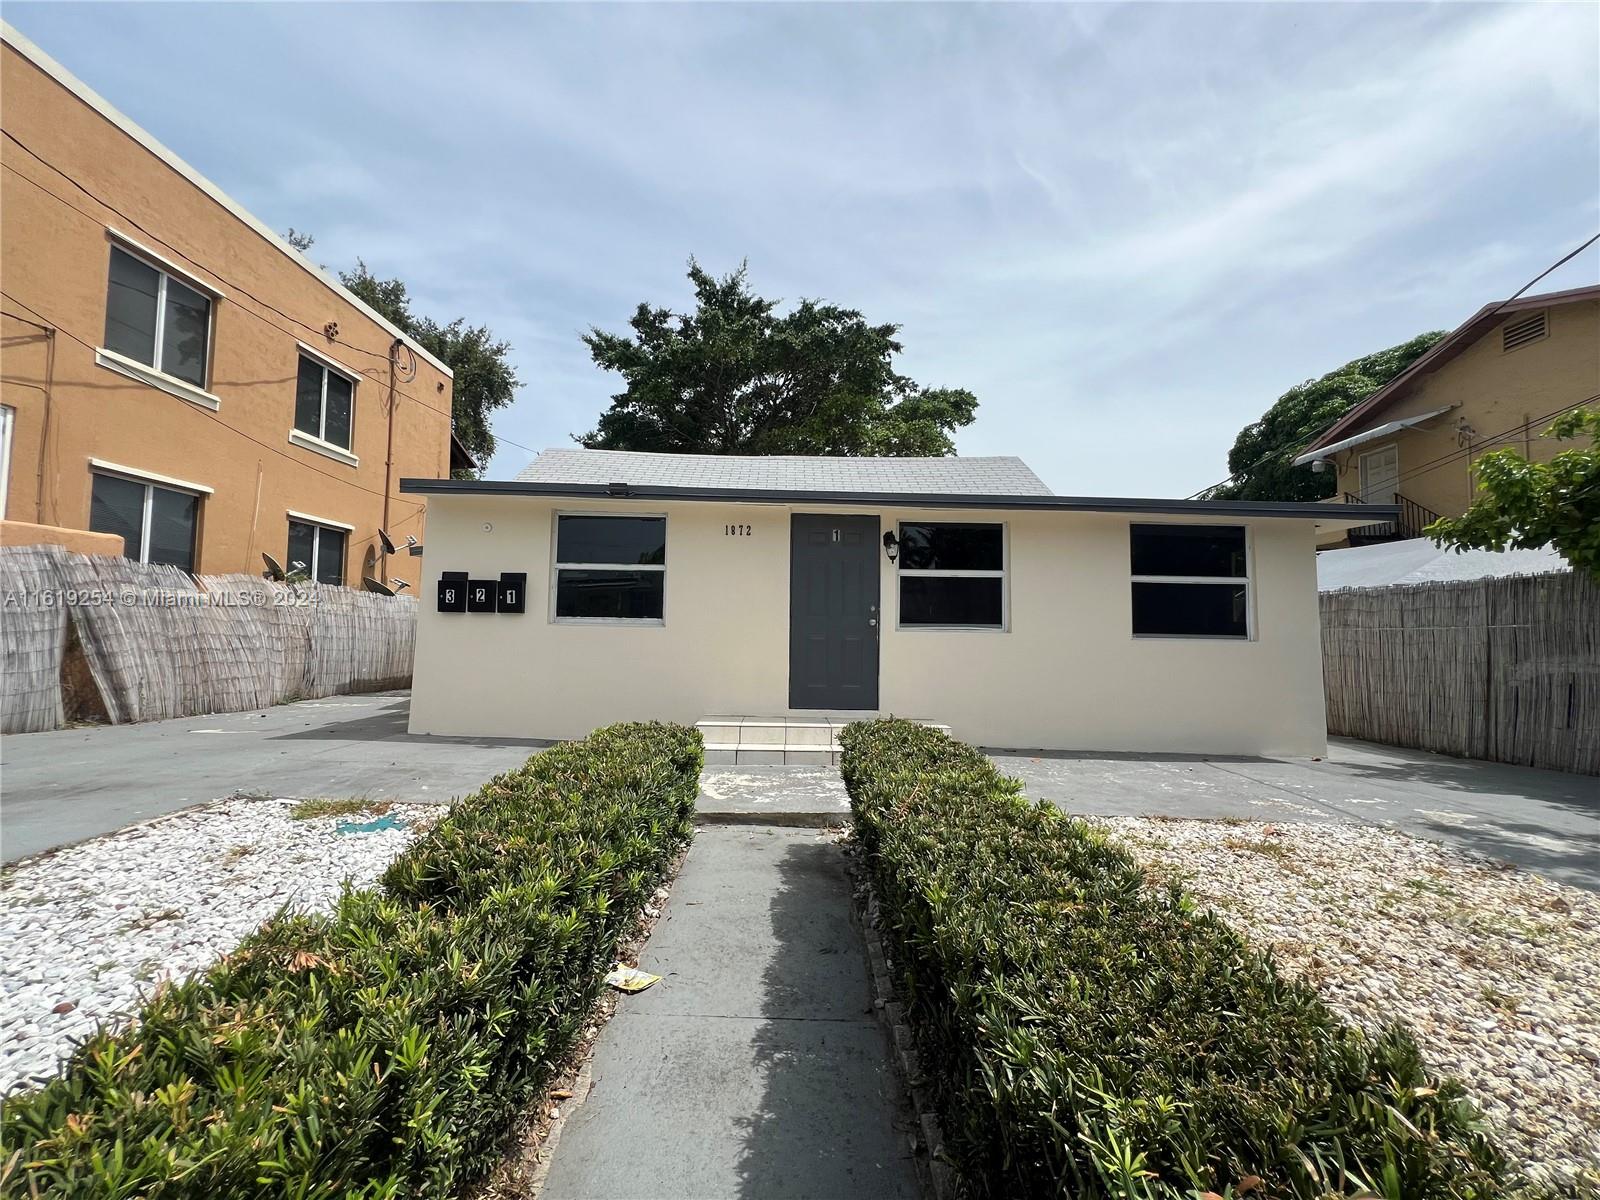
<point>755,1068</point>
<point>71,784</point>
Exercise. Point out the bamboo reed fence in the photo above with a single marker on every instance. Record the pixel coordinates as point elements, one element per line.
<point>1504,669</point>
<point>160,643</point>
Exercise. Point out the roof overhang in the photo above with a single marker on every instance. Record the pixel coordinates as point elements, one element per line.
<point>1331,516</point>
<point>1369,435</point>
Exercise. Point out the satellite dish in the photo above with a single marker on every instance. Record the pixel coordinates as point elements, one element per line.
<point>372,585</point>
<point>274,568</point>
<point>399,585</point>
<point>388,543</point>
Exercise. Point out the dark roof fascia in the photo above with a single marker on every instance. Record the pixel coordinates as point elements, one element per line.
<point>1370,513</point>
<point>1446,348</point>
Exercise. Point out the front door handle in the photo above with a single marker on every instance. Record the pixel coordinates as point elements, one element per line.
<point>873,621</point>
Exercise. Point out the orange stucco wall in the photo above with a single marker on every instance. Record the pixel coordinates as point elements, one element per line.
<point>1504,396</point>
<point>74,183</point>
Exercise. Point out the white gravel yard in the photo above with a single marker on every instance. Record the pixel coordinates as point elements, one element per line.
<point>1495,969</point>
<point>85,930</point>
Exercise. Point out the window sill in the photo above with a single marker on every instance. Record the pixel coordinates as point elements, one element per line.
<point>145,373</point>
<point>311,442</point>
<point>1193,637</point>
<point>632,622</point>
<point>951,629</point>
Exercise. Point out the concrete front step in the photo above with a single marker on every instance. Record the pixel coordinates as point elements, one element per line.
<point>801,740</point>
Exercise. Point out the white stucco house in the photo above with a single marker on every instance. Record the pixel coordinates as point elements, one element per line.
<point>602,586</point>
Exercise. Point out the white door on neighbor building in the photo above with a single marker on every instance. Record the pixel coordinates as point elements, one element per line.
<point>1380,475</point>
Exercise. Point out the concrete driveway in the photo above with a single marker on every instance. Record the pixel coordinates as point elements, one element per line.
<point>62,787</point>
<point>1546,821</point>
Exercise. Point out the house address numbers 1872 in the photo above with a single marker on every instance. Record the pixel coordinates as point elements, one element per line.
<point>736,530</point>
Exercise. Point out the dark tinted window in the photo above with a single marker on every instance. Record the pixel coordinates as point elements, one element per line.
<point>623,540</point>
<point>183,338</point>
<point>302,548</point>
<point>1198,550</point>
<point>330,555</point>
<point>1190,609</point>
<point>336,426</point>
<point>625,595</point>
<point>950,600</point>
<point>952,548</point>
<point>308,398</point>
<point>172,523</point>
<point>131,307</point>
<point>117,506</point>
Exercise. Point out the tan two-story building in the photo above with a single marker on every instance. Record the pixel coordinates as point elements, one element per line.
<point>175,375</point>
<point>1497,380</point>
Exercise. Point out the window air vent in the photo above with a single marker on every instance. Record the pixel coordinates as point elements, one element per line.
<point>1523,330</point>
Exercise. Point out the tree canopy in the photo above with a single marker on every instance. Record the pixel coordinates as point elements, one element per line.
<point>736,377</point>
<point>484,377</point>
<point>1262,453</point>
<point>1523,505</point>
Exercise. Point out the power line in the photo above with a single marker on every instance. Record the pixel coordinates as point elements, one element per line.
<point>1302,440</point>
<point>230,284</point>
<point>232,429</point>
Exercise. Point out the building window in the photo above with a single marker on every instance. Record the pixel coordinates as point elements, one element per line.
<point>1190,581</point>
<point>316,551</point>
<point>610,568</point>
<point>158,320</point>
<point>324,401</point>
<point>952,575</point>
<point>157,524</point>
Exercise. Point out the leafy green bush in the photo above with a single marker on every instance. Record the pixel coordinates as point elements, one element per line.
<point>383,1049</point>
<point>1088,1034</point>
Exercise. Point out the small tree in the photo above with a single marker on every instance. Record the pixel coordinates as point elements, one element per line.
<point>1523,505</point>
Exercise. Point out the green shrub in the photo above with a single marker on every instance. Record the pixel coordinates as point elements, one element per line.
<point>381,1050</point>
<point>1088,1034</point>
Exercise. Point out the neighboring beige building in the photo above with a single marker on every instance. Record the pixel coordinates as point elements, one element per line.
<point>178,377</point>
<point>603,586</point>
<point>1498,380</point>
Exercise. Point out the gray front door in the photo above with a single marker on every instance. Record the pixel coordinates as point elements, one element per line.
<point>833,612</point>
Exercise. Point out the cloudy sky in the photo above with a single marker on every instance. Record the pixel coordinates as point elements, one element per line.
<point>1126,228</point>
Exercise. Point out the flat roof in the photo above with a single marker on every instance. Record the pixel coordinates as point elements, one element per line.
<point>1345,514</point>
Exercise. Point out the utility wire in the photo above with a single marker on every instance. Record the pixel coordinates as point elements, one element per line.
<point>232,429</point>
<point>230,284</point>
<point>1302,440</point>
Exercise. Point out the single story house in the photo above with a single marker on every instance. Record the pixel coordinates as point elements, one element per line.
<point>601,586</point>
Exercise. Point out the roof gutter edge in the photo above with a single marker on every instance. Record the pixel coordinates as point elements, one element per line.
<point>601,491</point>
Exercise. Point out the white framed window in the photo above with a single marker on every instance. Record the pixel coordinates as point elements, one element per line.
<point>157,320</point>
<point>317,548</point>
<point>952,575</point>
<point>609,567</point>
<point>157,523</point>
<point>8,417</point>
<point>324,402</point>
<point>1191,581</point>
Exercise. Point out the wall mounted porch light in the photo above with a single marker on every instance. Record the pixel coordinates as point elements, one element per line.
<point>891,545</point>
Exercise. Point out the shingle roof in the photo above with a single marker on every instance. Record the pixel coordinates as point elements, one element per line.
<point>999,476</point>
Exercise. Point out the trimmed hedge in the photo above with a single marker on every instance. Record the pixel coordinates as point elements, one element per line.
<point>381,1050</point>
<point>1087,1034</point>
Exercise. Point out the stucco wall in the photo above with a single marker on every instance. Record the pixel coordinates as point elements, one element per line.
<point>1066,673</point>
<point>1503,395</point>
<point>55,243</point>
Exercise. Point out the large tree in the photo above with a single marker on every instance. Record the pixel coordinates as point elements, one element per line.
<point>1525,505</point>
<point>484,377</point>
<point>737,377</point>
<point>1262,453</point>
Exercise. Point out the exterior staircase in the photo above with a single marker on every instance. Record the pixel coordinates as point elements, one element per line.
<point>1414,518</point>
